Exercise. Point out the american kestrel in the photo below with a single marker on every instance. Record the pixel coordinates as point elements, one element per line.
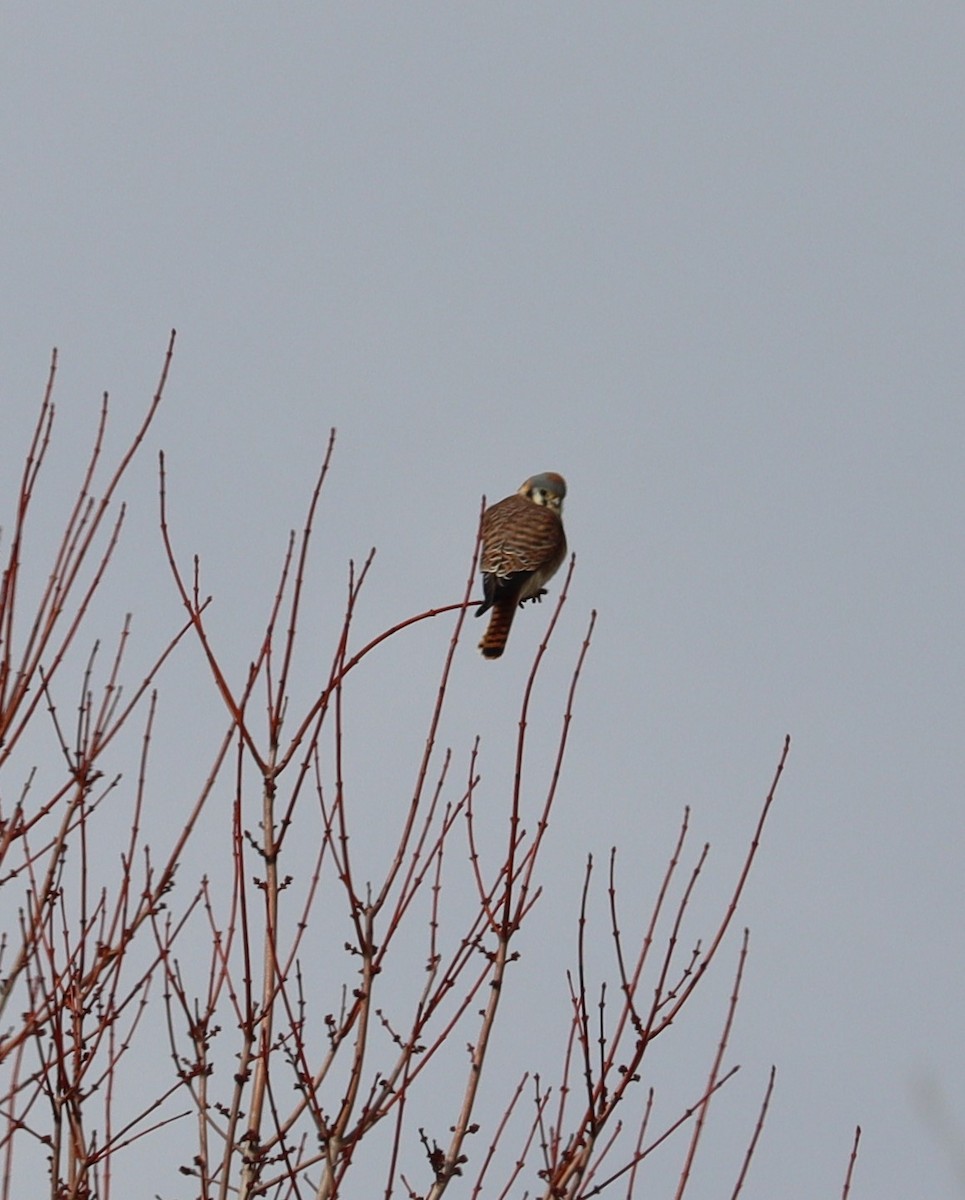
<point>523,545</point>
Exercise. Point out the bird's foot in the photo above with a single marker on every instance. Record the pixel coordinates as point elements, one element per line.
<point>535,599</point>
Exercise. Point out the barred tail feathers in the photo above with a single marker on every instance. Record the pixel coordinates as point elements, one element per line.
<point>494,639</point>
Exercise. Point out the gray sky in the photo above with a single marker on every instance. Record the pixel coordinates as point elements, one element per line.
<point>706,261</point>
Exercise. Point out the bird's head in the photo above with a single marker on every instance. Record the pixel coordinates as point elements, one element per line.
<point>547,488</point>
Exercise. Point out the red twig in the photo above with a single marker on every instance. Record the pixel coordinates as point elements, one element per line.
<point>755,1137</point>
<point>852,1162</point>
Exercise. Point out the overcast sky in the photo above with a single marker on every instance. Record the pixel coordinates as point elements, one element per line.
<point>706,261</point>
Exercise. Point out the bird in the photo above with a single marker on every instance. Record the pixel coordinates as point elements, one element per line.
<point>523,545</point>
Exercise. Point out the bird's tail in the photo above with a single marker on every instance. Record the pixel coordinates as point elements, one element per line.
<point>494,639</point>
